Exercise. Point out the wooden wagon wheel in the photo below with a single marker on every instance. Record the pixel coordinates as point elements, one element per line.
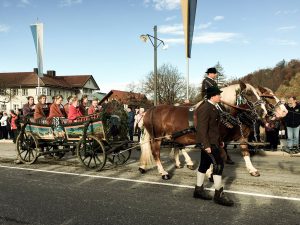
<point>120,158</point>
<point>27,148</point>
<point>91,153</point>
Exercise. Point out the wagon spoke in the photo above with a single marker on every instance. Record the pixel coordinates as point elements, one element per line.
<point>89,162</point>
<point>99,160</point>
<point>22,151</point>
<point>26,155</point>
<point>94,158</point>
<point>32,153</point>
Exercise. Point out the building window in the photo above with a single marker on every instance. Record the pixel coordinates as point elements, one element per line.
<point>3,107</point>
<point>24,92</point>
<point>45,91</point>
<point>15,107</point>
<point>50,92</point>
<point>15,92</point>
<point>2,92</point>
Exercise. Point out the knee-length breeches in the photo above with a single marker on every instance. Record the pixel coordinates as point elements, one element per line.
<point>213,158</point>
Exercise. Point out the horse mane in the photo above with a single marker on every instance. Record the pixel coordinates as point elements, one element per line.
<point>250,87</point>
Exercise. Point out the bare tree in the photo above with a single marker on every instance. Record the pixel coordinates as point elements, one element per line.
<point>171,85</point>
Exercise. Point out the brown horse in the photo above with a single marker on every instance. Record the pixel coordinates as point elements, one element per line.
<point>164,120</point>
<point>241,133</point>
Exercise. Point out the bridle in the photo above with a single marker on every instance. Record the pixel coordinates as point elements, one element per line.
<point>272,106</point>
<point>248,117</point>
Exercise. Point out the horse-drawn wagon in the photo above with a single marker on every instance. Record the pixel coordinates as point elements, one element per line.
<point>93,143</point>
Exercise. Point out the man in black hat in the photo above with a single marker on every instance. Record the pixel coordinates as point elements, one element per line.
<point>209,81</point>
<point>209,137</point>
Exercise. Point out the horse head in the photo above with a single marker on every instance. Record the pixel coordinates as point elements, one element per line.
<point>246,95</point>
<point>274,105</point>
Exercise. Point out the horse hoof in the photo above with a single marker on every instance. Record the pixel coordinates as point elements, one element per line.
<point>179,167</point>
<point>166,177</point>
<point>191,167</point>
<point>142,171</point>
<point>255,174</point>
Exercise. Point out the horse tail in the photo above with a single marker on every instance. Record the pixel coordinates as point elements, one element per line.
<point>146,152</point>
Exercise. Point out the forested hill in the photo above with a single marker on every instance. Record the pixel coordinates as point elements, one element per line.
<point>284,78</point>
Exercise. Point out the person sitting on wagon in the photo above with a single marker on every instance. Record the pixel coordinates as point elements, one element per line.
<point>83,106</point>
<point>74,111</point>
<point>28,108</point>
<point>41,109</point>
<point>67,105</point>
<point>56,108</point>
<point>94,108</point>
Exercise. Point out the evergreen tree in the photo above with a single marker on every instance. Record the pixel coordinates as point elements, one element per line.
<point>221,79</point>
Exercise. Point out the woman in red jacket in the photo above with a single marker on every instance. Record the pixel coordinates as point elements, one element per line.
<point>56,109</point>
<point>74,111</point>
<point>94,108</point>
<point>13,124</point>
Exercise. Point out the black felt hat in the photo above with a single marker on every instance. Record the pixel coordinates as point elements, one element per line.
<point>212,91</point>
<point>211,70</point>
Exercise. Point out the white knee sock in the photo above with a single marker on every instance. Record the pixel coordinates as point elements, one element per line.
<point>217,181</point>
<point>200,178</point>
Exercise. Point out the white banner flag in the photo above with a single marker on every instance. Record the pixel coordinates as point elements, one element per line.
<point>37,33</point>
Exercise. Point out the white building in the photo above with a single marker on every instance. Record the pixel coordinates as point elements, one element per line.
<point>16,87</point>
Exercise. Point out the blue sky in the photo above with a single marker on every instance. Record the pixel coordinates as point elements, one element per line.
<point>101,37</point>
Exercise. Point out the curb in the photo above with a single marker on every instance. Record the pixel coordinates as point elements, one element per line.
<point>275,153</point>
<point>6,141</point>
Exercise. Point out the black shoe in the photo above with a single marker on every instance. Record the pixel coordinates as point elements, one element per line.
<point>229,161</point>
<point>286,150</point>
<point>199,192</point>
<point>198,146</point>
<point>221,199</point>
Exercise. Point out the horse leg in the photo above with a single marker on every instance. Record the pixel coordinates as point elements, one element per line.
<point>188,160</point>
<point>246,155</point>
<point>156,154</point>
<point>176,157</point>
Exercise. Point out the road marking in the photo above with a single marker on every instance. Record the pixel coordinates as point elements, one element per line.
<point>151,182</point>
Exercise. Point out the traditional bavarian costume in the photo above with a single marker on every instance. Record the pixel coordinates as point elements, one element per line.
<point>208,82</point>
<point>209,137</point>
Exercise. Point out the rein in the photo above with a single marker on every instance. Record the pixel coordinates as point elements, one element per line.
<point>234,106</point>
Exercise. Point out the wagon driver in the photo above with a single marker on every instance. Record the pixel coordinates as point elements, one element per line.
<point>209,81</point>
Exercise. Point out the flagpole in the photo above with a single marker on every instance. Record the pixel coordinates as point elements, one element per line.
<point>187,77</point>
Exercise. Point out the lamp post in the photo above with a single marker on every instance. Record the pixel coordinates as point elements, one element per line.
<point>153,40</point>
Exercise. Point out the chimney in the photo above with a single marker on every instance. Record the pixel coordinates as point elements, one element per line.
<point>36,70</point>
<point>51,73</point>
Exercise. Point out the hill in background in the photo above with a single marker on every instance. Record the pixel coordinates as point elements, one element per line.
<point>283,79</point>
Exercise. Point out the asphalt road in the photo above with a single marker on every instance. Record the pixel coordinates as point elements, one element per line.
<point>62,192</point>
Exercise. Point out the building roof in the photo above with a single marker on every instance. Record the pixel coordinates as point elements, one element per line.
<point>122,96</point>
<point>30,79</point>
<point>99,95</point>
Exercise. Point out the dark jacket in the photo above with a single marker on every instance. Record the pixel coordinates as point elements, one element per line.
<point>206,83</point>
<point>292,119</point>
<point>28,111</point>
<point>208,120</point>
<point>131,118</point>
